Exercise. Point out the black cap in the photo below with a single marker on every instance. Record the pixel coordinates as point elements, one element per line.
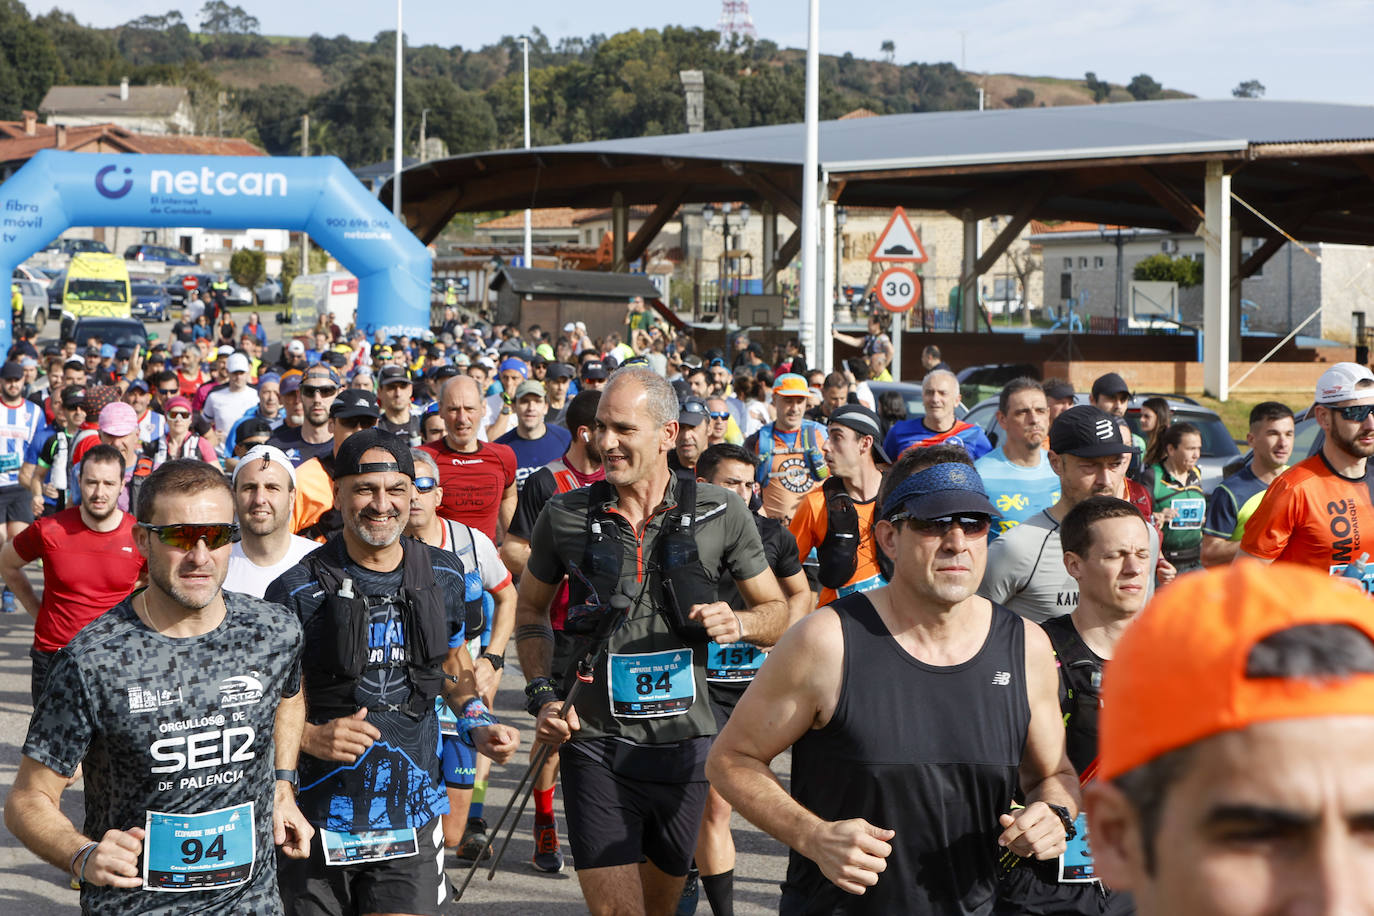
<point>611,363</point>
<point>1111,383</point>
<point>250,427</point>
<point>349,460</point>
<point>11,371</point>
<point>439,373</point>
<point>864,422</point>
<point>1058,390</point>
<point>594,368</point>
<point>392,374</point>
<point>73,397</point>
<point>693,412</point>
<point>355,402</point>
<point>1087,432</point>
<point>559,370</point>
<point>124,353</point>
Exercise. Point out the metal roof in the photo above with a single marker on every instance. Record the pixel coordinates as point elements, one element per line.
<point>574,284</point>
<point>1309,163</point>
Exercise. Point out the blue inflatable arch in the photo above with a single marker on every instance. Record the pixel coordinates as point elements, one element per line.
<point>318,195</point>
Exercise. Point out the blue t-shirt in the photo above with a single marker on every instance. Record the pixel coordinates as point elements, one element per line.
<point>1232,503</point>
<point>1017,492</point>
<point>533,454</point>
<point>906,433</point>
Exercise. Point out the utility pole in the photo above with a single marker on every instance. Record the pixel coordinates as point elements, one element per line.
<point>529,245</point>
<point>424,114</point>
<point>400,113</point>
<point>305,151</point>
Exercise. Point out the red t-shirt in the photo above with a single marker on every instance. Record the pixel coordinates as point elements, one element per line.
<point>85,572</point>
<point>473,482</point>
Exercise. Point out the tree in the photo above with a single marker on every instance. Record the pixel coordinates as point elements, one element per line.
<point>1025,263</point>
<point>1099,88</point>
<point>162,39</point>
<point>275,113</point>
<point>1143,86</point>
<point>28,61</point>
<point>1186,272</point>
<point>219,18</point>
<point>889,48</point>
<point>1250,89</point>
<point>248,267</point>
<point>1024,98</point>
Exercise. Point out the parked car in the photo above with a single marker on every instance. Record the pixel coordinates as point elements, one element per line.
<point>24,272</point>
<point>150,300</point>
<point>1308,439</point>
<point>76,246</point>
<point>911,394</point>
<point>172,257</point>
<point>35,302</point>
<point>120,332</point>
<point>1218,448</point>
<point>979,382</point>
<point>238,295</point>
<point>269,292</point>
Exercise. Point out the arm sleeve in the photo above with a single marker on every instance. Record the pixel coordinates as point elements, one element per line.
<point>63,721</point>
<point>29,542</point>
<point>1221,514</point>
<point>539,486</point>
<point>1269,528</point>
<point>743,555</point>
<point>545,564</point>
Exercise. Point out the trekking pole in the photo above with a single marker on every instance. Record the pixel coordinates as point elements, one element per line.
<point>620,609</point>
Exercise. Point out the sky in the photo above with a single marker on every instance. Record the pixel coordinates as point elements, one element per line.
<point>1308,51</point>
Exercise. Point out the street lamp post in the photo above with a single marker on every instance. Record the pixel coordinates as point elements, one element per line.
<point>841,305</point>
<point>529,246</point>
<point>1120,238</point>
<point>400,98</point>
<point>708,215</point>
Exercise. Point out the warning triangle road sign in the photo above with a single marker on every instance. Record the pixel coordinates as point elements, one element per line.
<point>898,242</point>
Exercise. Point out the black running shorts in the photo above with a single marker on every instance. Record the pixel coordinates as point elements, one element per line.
<point>415,884</point>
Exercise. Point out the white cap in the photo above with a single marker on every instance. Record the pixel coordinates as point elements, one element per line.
<point>237,363</point>
<point>569,327</point>
<point>1340,381</point>
<point>264,452</point>
<point>296,347</point>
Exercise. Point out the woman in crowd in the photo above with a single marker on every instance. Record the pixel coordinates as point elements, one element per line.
<point>1180,505</point>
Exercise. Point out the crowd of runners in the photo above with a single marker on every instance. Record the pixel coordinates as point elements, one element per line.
<point>1039,672</point>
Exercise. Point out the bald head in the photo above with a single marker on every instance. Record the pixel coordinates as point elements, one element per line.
<point>463,409</point>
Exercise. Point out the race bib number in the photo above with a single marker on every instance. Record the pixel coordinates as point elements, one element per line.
<point>732,663</point>
<point>1191,513</point>
<point>1365,583</point>
<point>9,463</point>
<point>448,719</point>
<point>1076,862</point>
<point>867,585</point>
<point>368,846</point>
<point>651,685</point>
<point>198,852</point>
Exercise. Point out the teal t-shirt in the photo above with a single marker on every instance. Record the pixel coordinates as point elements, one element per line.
<point>1017,492</point>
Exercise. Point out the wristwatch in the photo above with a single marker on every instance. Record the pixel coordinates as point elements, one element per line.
<point>288,776</point>
<point>1070,831</point>
<point>497,661</point>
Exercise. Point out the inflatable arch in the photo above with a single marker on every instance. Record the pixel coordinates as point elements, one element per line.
<point>56,190</point>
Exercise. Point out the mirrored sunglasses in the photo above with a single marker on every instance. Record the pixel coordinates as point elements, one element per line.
<point>185,537</point>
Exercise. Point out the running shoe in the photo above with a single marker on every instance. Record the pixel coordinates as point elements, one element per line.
<point>691,893</point>
<point>475,845</point>
<point>547,856</point>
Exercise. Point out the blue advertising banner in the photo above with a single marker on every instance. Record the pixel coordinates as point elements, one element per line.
<point>318,195</point>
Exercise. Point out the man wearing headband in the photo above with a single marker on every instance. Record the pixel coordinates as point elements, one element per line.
<point>182,705</point>
<point>384,620</point>
<point>979,722</point>
<point>1235,776</point>
<point>264,485</point>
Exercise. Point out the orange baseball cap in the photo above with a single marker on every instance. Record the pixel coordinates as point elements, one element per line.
<point>791,384</point>
<point>1178,674</point>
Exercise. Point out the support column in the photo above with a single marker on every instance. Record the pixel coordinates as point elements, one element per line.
<point>1233,301</point>
<point>825,306</point>
<point>1216,282</point>
<point>968,280</point>
<point>620,230</point>
<point>770,248</point>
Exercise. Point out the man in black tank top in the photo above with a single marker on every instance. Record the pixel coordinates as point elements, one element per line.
<point>1107,550</point>
<point>914,713</point>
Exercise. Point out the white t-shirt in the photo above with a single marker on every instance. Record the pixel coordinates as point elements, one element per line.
<point>454,536</point>
<point>226,407</point>
<point>248,578</point>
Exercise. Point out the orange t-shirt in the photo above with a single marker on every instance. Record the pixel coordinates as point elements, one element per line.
<point>809,526</point>
<point>1313,516</point>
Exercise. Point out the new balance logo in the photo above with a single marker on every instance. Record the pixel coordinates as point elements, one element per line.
<point>1001,678</point>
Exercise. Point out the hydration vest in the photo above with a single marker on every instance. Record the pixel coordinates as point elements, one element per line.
<point>475,597</point>
<point>335,666</point>
<point>807,441</point>
<point>838,554</point>
<point>685,582</point>
<point>1081,676</point>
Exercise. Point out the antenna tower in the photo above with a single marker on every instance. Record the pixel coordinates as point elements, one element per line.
<point>735,21</point>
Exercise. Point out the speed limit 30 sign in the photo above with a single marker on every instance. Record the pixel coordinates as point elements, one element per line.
<point>898,289</point>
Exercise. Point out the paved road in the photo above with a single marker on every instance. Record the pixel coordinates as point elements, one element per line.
<point>31,887</point>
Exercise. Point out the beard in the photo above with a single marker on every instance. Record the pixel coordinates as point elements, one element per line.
<point>162,578</point>
<point>1350,444</point>
<point>377,537</point>
<point>100,515</point>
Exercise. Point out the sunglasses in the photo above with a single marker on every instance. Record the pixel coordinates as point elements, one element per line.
<point>1355,413</point>
<point>169,392</point>
<point>720,416</point>
<point>178,415</point>
<point>972,525</point>
<point>318,391</point>
<point>185,537</point>
<point>425,484</point>
<point>357,422</point>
